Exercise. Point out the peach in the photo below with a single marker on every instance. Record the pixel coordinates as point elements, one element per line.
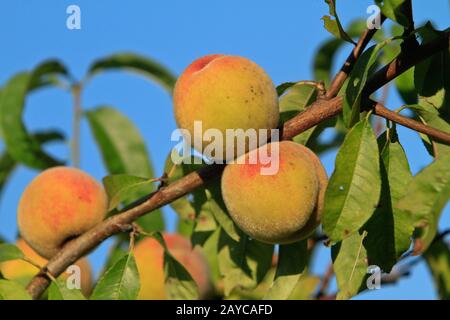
<point>279,208</point>
<point>58,205</point>
<point>225,92</point>
<point>149,256</point>
<point>21,270</point>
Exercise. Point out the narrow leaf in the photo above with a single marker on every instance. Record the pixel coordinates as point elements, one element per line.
<point>292,260</point>
<point>59,291</point>
<point>10,252</point>
<point>354,187</point>
<point>334,25</point>
<point>425,198</point>
<point>10,290</point>
<point>438,261</point>
<point>138,64</point>
<point>120,282</point>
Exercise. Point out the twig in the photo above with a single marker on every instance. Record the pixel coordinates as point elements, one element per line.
<point>382,111</point>
<point>325,282</point>
<point>318,112</point>
<point>77,114</point>
<point>342,75</point>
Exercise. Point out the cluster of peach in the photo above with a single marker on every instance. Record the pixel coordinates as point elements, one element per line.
<point>223,92</point>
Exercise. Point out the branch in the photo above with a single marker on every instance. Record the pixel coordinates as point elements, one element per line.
<point>404,61</point>
<point>342,75</point>
<point>436,134</point>
<point>318,112</point>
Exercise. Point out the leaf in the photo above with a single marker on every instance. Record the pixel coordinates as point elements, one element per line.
<point>357,80</point>
<point>389,230</point>
<point>242,264</point>
<point>120,282</point>
<point>394,10</point>
<point>334,25</point>
<point>123,188</point>
<point>425,198</point>
<point>20,145</point>
<point>432,76</point>
<point>123,151</point>
<point>292,261</point>
<point>58,290</point>
<point>405,86</point>
<point>354,187</point>
<point>179,283</point>
<point>138,64</point>
<point>297,98</point>
<point>122,146</point>
<point>305,288</point>
<point>10,290</point>
<point>7,165</point>
<point>429,115</point>
<point>438,261</point>
<point>10,252</point>
<point>350,265</point>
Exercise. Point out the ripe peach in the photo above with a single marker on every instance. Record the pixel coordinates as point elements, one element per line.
<point>149,256</point>
<point>59,204</point>
<point>278,208</point>
<point>20,270</point>
<point>225,92</point>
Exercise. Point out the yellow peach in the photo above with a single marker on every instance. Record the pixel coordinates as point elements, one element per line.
<point>225,92</point>
<point>275,208</point>
<point>58,205</point>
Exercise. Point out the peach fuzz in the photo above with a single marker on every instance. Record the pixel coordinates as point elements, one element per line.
<point>225,92</point>
<point>149,256</point>
<point>58,205</point>
<point>274,208</point>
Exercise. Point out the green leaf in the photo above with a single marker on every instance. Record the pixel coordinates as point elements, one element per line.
<point>123,151</point>
<point>305,288</point>
<point>7,165</point>
<point>350,265</point>
<point>394,10</point>
<point>242,264</point>
<point>389,230</point>
<point>406,88</point>
<point>429,115</point>
<point>179,283</point>
<point>20,145</point>
<point>295,100</point>
<point>425,198</point>
<point>121,144</point>
<point>357,80</point>
<point>432,76</point>
<point>334,25</point>
<point>138,64</point>
<point>10,252</point>
<point>120,282</point>
<point>10,290</point>
<point>292,260</point>
<point>59,291</point>
<point>123,188</point>
<point>354,187</point>
<point>438,261</point>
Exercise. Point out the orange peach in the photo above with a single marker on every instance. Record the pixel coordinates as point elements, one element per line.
<point>149,256</point>
<point>58,205</point>
<point>225,92</point>
<point>283,207</point>
<point>21,270</point>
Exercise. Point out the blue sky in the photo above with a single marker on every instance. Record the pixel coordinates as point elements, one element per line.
<point>281,36</point>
